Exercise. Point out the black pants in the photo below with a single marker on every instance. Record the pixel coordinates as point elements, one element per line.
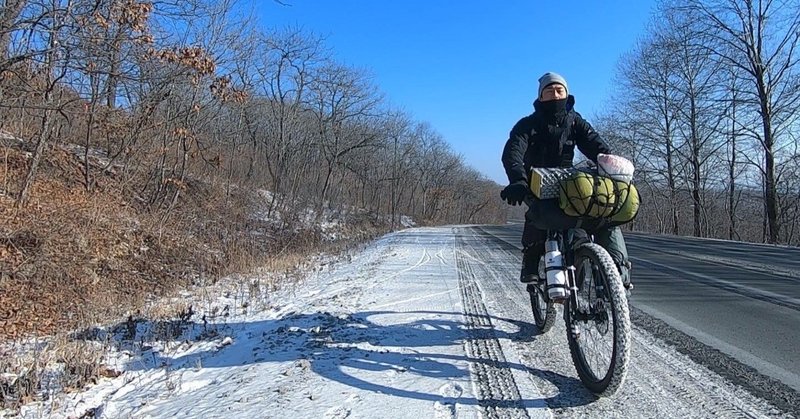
<point>546,214</point>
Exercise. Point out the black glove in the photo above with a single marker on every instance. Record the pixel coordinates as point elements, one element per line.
<point>515,193</point>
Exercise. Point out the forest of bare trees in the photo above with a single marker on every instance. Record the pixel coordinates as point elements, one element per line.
<point>179,91</point>
<point>149,146</point>
<point>181,119</point>
<point>710,98</point>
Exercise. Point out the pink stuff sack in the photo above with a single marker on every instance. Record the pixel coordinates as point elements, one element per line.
<point>616,167</point>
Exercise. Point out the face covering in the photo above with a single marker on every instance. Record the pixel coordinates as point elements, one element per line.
<point>553,107</point>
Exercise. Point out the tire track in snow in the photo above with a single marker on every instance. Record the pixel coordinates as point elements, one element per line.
<point>377,279</point>
<point>440,256</point>
<point>495,388</point>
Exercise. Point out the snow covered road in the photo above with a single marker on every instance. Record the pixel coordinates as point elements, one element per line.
<point>424,323</point>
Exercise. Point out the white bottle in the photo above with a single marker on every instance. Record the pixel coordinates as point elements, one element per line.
<point>556,274</point>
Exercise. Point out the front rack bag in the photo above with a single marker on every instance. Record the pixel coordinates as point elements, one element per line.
<point>587,195</point>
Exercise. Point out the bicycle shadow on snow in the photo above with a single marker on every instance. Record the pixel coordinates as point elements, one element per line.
<point>349,349</point>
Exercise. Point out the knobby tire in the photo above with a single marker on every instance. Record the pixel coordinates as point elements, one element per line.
<point>544,311</point>
<point>614,300</point>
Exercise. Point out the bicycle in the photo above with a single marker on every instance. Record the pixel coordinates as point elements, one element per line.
<point>595,308</point>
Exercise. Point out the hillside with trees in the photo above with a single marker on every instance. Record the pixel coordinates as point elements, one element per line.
<point>148,146</point>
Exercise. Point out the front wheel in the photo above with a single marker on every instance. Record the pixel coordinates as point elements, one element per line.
<point>599,325</point>
<point>544,312</point>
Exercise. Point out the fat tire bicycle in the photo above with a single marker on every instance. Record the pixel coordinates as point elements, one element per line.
<point>596,312</point>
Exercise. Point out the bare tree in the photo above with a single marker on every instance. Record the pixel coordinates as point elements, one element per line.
<point>653,108</point>
<point>10,12</point>
<point>52,71</point>
<point>699,83</point>
<point>343,101</point>
<point>760,39</point>
<point>734,195</point>
<point>285,73</point>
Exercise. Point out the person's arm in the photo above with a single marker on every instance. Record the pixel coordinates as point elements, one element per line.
<point>588,140</point>
<point>514,153</point>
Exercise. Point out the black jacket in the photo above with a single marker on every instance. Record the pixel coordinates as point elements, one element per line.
<point>535,141</point>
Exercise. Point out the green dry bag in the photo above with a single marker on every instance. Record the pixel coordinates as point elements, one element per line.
<point>586,195</point>
<point>628,201</point>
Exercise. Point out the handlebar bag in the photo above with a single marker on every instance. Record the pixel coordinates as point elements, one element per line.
<point>584,194</point>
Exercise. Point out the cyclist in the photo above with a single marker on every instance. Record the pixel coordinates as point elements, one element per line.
<point>540,140</point>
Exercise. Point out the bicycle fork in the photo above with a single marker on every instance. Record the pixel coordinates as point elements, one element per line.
<point>570,310</point>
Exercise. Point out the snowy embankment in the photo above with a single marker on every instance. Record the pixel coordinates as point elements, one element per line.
<point>427,322</point>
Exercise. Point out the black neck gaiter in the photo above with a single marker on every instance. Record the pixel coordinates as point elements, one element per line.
<point>553,110</point>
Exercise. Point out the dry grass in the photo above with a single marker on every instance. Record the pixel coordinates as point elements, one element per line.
<point>38,368</point>
<point>72,259</point>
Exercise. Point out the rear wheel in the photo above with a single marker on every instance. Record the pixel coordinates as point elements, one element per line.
<point>544,312</point>
<point>598,326</point>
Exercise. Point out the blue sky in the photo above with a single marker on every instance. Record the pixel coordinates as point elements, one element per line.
<point>469,68</point>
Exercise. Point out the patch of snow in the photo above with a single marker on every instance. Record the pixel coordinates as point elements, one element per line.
<point>407,221</point>
<point>7,136</point>
<point>381,333</point>
<point>97,157</point>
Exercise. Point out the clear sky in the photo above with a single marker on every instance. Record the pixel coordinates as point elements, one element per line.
<point>469,67</point>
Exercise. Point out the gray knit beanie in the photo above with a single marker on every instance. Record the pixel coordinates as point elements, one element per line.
<point>550,78</point>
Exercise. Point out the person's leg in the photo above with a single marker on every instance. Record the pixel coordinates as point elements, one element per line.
<point>532,249</point>
<point>611,239</point>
